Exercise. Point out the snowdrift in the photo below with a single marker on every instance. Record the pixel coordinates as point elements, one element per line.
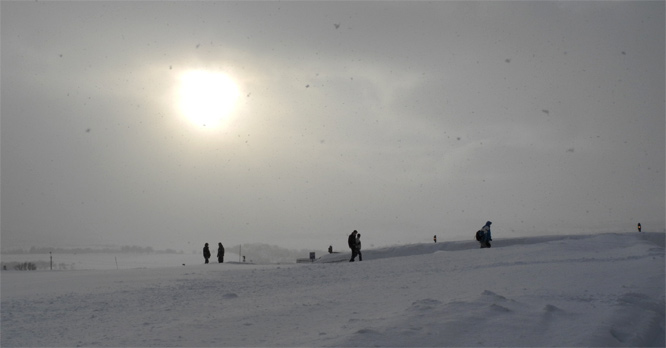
<point>594,290</point>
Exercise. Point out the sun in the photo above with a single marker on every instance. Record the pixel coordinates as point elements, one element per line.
<point>207,98</point>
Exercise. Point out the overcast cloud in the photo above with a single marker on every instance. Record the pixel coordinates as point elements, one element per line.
<point>399,119</point>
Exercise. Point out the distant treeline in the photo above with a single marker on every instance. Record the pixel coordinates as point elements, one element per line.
<point>124,249</point>
<point>35,265</point>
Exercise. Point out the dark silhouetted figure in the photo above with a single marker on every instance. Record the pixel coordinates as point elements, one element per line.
<point>206,252</point>
<point>434,238</point>
<point>351,241</point>
<point>639,227</point>
<point>220,253</point>
<point>330,249</point>
<point>483,235</point>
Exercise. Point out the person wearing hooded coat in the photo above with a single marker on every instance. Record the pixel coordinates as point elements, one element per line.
<point>220,253</point>
<point>486,236</point>
<point>206,252</point>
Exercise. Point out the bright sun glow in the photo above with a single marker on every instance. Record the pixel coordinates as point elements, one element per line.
<point>207,98</point>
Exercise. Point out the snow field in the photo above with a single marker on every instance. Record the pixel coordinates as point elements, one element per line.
<point>598,290</point>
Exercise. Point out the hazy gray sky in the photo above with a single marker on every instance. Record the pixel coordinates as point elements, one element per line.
<point>399,119</point>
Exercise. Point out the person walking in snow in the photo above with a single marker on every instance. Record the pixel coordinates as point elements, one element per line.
<point>483,235</point>
<point>351,241</point>
<point>358,247</point>
<point>206,253</point>
<point>220,253</point>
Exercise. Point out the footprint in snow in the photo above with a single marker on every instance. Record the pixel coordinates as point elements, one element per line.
<point>492,294</point>
<point>551,313</point>
<point>549,308</point>
<point>500,309</point>
<point>367,331</point>
<point>425,304</point>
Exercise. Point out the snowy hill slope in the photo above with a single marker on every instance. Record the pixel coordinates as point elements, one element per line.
<point>418,249</point>
<point>596,290</point>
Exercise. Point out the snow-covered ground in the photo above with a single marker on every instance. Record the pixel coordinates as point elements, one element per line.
<point>107,261</point>
<point>593,290</point>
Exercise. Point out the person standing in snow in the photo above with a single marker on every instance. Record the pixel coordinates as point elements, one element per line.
<point>351,241</point>
<point>639,227</point>
<point>483,235</point>
<point>206,253</point>
<point>220,253</point>
<point>358,247</point>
